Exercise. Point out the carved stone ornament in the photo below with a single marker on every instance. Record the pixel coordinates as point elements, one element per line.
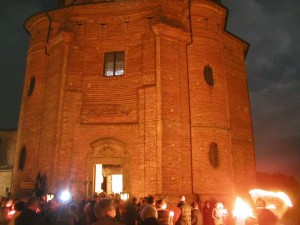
<point>114,109</point>
<point>107,151</point>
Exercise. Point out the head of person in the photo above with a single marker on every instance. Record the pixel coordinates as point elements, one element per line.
<point>19,205</point>
<point>160,204</point>
<point>149,211</point>
<point>194,205</point>
<point>73,207</point>
<point>105,208</point>
<point>102,195</point>
<point>219,205</point>
<point>32,203</point>
<point>260,203</point>
<point>150,200</point>
<point>207,204</point>
<point>134,200</point>
<point>182,199</point>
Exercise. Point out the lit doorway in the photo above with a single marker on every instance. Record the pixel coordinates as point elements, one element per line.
<point>108,178</point>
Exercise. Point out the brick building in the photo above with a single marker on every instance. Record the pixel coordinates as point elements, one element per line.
<point>152,93</point>
<point>7,152</point>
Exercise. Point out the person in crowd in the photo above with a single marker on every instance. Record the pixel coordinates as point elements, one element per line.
<point>57,213</point>
<point>131,212</point>
<point>105,211</point>
<point>197,217</point>
<point>28,215</point>
<point>218,214</point>
<point>90,216</point>
<point>264,216</point>
<point>119,210</point>
<point>18,207</point>
<point>182,213</point>
<point>163,215</point>
<point>2,209</point>
<point>73,217</point>
<point>82,205</point>
<point>150,200</point>
<point>44,206</point>
<point>149,215</point>
<point>207,214</point>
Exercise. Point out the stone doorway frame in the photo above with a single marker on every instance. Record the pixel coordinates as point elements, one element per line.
<point>107,151</point>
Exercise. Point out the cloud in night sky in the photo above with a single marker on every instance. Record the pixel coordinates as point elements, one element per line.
<point>273,65</point>
<point>273,61</point>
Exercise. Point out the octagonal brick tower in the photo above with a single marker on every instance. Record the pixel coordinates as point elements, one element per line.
<point>155,91</point>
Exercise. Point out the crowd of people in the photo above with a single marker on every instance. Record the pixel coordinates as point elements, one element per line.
<point>105,209</point>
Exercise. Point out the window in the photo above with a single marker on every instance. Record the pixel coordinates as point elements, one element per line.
<point>31,86</point>
<point>213,154</point>
<point>208,75</point>
<point>22,158</point>
<point>114,64</point>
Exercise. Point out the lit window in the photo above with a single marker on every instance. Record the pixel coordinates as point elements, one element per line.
<point>114,64</point>
<point>208,75</point>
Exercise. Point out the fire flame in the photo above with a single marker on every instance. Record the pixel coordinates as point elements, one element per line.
<point>12,212</point>
<point>277,202</point>
<point>242,209</point>
<point>280,195</point>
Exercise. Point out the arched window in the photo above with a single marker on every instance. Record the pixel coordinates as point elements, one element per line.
<point>208,75</point>
<point>31,86</point>
<point>22,158</point>
<point>213,154</point>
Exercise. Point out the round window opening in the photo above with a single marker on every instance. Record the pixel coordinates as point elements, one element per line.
<point>208,75</point>
<point>213,155</point>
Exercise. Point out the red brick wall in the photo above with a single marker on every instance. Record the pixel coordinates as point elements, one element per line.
<point>161,109</point>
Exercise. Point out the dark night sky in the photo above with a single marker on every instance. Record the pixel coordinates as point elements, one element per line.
<point>271,27</point>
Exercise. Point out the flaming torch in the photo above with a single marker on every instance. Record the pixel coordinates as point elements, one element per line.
<point>277,202</point>
<point>241,211</point>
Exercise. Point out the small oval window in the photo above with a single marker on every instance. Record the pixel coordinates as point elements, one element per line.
<point>22,158</point>
<point>208,75</point>
<point>213,154</point>
<point>31,86</point>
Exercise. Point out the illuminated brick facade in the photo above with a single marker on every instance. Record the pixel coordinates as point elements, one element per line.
<point>158,120</point>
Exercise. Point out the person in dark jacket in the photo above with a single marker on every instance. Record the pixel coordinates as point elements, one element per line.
<point>90,216</point>
<point>264,216</point>
<point>182,213</point>
<point>131,212</point>
<point>207,214</point>
<point>149,215</point>
<point>105,211</point>
<point>28,215</point>
<point>162,213</point>
<point>197,217</point>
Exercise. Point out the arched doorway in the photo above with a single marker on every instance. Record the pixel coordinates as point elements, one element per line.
<point>107,167</point>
